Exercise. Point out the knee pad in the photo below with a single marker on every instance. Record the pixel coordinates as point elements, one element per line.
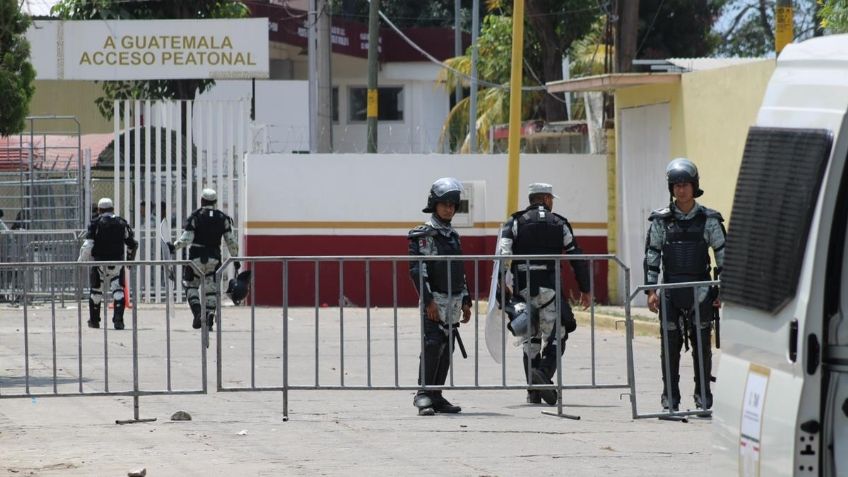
<point>192,296</point>
<point>95,298</point>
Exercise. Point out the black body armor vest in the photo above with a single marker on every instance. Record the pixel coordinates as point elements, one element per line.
<point>540,232</point>
<point>109,233</point>
<point>438,270</point>
<point>209,226</point>
<point>685,256</point>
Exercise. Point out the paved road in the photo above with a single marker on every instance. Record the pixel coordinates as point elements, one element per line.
<point>330,432</point>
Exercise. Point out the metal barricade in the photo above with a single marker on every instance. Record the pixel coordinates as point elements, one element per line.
<point>59,371</point>
<point>388,374</point>
<point>697,287</point>
<point>38,246</point>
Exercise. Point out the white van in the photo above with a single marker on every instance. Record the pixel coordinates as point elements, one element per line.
<point>781,400</point>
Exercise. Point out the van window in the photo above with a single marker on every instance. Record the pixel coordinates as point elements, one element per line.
<point>776,193</point>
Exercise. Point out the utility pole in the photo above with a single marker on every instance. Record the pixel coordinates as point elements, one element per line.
<point>475,34</point>
<point>457,46</point>
<point>373,39</point>
<point>626,34</point>
<point>783,15</point>
<point>312,66</point>
<point>324,48</point>
<point>514,144</point>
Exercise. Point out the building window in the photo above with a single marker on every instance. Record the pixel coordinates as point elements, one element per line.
<point>389,104</point>
<point>336,104</point>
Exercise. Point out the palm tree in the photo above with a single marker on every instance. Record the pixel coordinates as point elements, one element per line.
<point>493,67</point>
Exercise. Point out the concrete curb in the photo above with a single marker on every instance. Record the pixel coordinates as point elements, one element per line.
<point>641,326</point>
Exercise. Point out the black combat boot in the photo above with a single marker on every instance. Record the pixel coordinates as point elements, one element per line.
<point>93,314</point>
<point>118,319</point>
<point>424,404</point>
<point>428,369</point>
<point>440,404</point>
<point>195,310</point>
<point>538,376</point>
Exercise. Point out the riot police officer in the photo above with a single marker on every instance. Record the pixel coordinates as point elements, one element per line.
<point>105,240</point>
<point>443,291</point>
<point>537,230</point>
<point>202,234</point>
<point>678,239</point>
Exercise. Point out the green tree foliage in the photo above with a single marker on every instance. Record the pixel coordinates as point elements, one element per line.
<point>150,9</point>
<point>833,15</point>
<point>16,72</point>
<point>677,28</point>
<point>747,26</point>
<point>495,47</point>
<point>551,26</point>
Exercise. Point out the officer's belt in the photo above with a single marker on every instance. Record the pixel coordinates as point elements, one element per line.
<point>523,267</point>
<point>454,294</point>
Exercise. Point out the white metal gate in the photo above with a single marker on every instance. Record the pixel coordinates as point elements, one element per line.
<point>644,153</point>
<point>165,153</point>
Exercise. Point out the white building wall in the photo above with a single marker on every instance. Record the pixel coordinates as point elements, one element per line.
<point>347,194</point>
<point>282,110</point>
<point>425,109</point>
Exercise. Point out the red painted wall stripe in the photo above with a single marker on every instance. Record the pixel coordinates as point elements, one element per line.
<point>302,274</point>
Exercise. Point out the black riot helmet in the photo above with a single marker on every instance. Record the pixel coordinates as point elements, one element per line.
<point>238,287</point>
<point>446,189</point>
<point>682,170</point>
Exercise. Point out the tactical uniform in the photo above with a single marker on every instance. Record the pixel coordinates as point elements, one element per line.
<point>443,283</point>
<point>679,243</point>
<point>203,232</point>
<point>537,230</point>
<point>105,240</point>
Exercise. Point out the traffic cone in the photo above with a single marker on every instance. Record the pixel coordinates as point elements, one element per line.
<point>127,297</point>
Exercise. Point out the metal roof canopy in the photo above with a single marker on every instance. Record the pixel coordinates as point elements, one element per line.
<point>611,82</point>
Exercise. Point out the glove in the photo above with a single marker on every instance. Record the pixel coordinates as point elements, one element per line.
<point>172,248</point>
<point>236,266</point>
<point>131,254</point>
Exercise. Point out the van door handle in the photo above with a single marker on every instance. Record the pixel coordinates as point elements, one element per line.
<point>793,341</point>
<point>813,353</point>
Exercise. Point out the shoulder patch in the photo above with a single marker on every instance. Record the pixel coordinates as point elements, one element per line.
<point>422,230</point>
<point>663,213</point>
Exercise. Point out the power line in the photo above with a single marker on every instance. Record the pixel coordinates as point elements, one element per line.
<point>650,27</point>
<point>444,65</point>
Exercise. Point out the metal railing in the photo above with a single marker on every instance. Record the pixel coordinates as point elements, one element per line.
<point>367,263</point>
<point>38,246</point>
<point>317,337</point>
<point>62,325</point>
<point>670,413</point>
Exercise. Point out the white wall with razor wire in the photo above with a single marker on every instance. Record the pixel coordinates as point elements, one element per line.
<point>165,153</point>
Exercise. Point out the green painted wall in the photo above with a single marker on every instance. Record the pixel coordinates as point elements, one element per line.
<point>68,98</point>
